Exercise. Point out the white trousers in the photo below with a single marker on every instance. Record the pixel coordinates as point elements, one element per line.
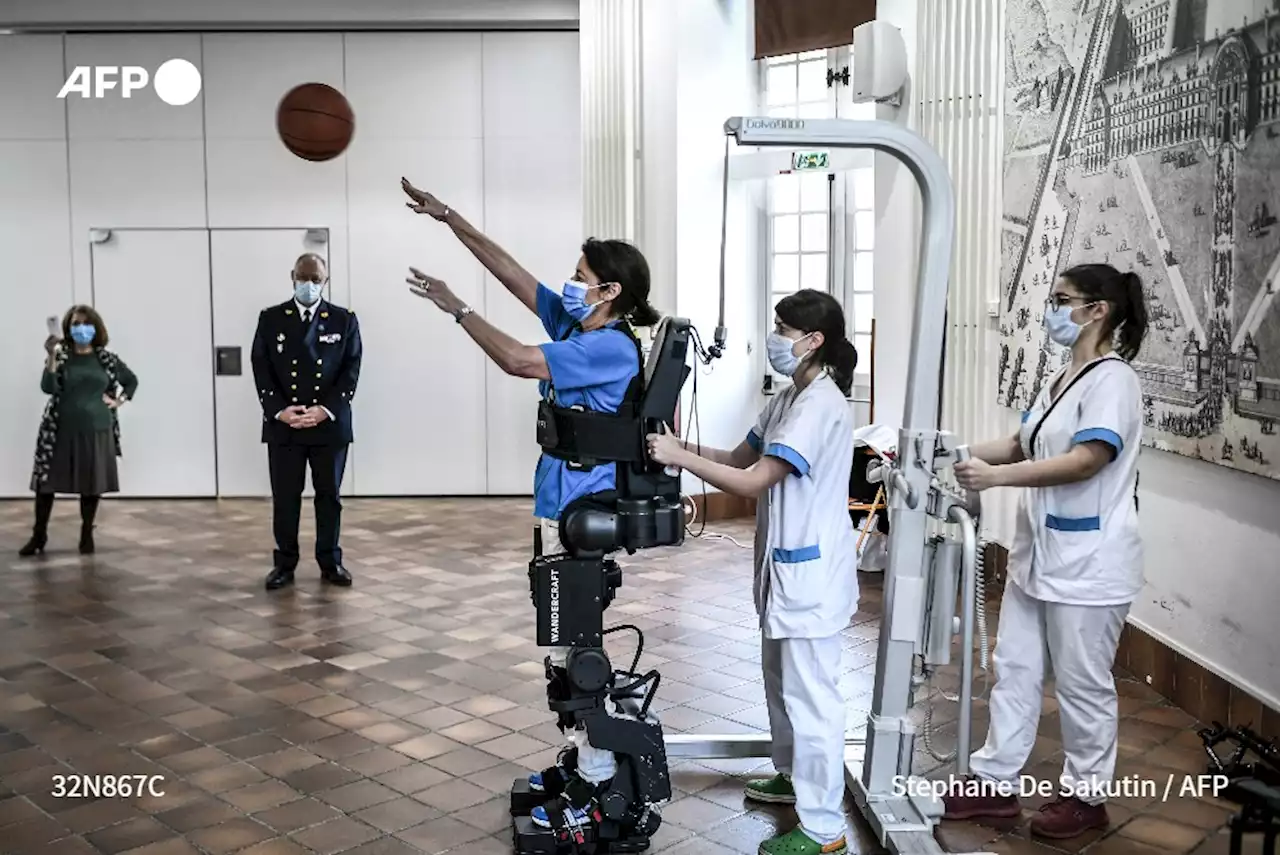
<point>595,765</point>
<point>1078,643</point>
<point>806,723</point>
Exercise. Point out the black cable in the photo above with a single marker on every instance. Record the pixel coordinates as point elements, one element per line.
<point>635,662</point>
<point>695,423</point>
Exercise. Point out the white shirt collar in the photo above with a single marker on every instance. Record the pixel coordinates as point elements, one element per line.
<point>302,310</point>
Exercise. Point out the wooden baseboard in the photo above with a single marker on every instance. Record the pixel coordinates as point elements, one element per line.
<point>715,507</point>
<point>1188,685</point>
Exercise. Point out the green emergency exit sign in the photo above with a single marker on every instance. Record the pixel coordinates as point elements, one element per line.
<point>809,160</point>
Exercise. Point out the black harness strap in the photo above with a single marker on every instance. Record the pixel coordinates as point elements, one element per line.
<point>1031,442</point>
<point>584,438</point>
<point>1053,404</point>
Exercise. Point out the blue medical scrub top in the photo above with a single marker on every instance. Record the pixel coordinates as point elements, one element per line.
<point>588,369</point>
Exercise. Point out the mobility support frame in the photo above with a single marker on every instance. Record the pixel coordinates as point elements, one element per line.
<point>916,620</point>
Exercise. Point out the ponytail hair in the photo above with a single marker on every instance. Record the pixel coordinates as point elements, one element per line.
<point>811,311</point>
<point>1126,320</point>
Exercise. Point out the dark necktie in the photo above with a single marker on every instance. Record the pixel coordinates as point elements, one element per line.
<point>306,316</point>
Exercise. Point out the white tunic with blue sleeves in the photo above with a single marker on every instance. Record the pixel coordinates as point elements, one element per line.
<point>1079,544</point>
<point>806,580</point>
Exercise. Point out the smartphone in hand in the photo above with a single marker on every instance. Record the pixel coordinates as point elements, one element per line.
<point>54,326</point>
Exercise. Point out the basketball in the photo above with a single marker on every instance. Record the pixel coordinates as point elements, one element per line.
<point>315,122</point>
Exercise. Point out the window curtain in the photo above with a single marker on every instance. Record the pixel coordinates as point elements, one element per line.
<point>795,26</point>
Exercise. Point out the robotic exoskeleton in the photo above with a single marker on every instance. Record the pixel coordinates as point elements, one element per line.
<point>571,588</point>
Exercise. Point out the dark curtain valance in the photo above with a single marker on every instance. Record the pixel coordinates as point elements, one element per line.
<point>795,26</point>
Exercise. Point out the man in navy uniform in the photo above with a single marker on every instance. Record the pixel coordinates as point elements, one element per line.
<point>306,362</point>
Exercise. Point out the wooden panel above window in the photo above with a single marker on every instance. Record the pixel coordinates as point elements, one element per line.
<point>796,26</point>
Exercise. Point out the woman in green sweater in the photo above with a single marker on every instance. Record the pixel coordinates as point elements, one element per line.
<point>79,437</point>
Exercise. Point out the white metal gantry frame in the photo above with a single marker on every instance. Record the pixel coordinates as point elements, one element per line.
<point>903,823</point>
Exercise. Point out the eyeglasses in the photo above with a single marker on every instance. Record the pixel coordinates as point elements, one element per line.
<point>1057,301</point>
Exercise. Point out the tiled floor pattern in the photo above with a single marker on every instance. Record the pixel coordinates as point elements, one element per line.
<point>391,717</point>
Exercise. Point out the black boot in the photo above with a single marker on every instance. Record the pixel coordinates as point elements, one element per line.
<point>40,531</point>
<point>88,510</point>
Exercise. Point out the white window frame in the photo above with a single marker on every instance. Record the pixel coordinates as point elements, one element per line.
<point>848,204</point>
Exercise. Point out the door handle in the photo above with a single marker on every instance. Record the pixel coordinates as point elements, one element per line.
<point>227,362</point>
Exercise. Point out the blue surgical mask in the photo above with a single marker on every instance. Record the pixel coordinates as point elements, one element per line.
<point>782,357</point>
<point>307,293</point>
<point>1062,330</point>
<point>574,300</point>
<point>83,334</point>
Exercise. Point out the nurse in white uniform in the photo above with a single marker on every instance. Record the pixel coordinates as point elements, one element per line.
<point>1076,562</point>
<point>796,462</point>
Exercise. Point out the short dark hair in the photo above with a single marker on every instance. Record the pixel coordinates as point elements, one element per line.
<point>619,261</point>
<point>100,337</point>
<point>1127,305</point>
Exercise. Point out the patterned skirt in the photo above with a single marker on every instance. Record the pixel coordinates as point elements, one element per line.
<point>84,464</point>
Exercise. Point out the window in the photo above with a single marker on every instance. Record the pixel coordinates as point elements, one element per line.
<point>820,229</point>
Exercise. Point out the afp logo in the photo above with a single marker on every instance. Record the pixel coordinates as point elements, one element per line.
<point>177,82</point>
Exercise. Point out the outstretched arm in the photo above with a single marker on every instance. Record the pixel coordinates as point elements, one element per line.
<point>739,458</point>
<point>513,357</point>
<point>520,282</point>
<point>751,482</point>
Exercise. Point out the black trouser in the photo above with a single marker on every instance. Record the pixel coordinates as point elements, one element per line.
<point>288,465</point>
<point>44,510</point>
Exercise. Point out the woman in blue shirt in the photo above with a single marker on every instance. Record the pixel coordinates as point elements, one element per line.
<point>590,361</point>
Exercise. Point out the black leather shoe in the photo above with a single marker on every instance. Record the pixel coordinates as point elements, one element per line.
<point>87,546</point>
<point>279,577</point>
<point>336,576</point>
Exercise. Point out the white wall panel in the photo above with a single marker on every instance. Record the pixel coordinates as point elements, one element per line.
<point>959,88</point>
<point>533,208</point>
<point>253,180</point>
<point>135,184</point>
<point>31,73</point>
<point>415,85</point>
<point>35,268</point>
<point>134,162</point>
<point>35,283</point>
<point>420,409</point>
<point>152,289</point>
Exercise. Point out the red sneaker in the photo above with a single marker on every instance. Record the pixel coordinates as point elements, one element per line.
<point>1068,817</point>
<point>978,799</point>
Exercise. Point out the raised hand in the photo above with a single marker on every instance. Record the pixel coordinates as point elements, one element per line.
<point>423,202</point>
<point>435,290</point>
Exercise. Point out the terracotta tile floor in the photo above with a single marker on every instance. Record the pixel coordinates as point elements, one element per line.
<point>392,717</point>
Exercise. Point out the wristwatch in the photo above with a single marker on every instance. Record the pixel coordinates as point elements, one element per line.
<point>462,313</point>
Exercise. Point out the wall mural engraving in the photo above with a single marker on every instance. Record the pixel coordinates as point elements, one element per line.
<point>1146,134</point>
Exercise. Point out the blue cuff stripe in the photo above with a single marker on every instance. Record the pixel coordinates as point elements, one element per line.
<point>1110,437</point>
<point>795,556</point>
<point>790,455</point>
<point>1073,523</point>
<point>1026,415</point>
<point>755,440</point>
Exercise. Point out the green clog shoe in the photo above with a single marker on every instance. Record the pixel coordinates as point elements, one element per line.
<point>776,790</point>
<point>798,843</point>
